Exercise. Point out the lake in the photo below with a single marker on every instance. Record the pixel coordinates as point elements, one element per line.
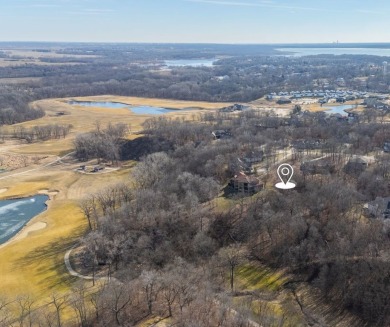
<point>15,214</point>
<point>339,109</point>
<point>140,110</point>
<point>300,52</point>
<point>190,62</point>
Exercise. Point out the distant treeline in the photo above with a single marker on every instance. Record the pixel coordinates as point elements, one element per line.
<point>42,132</point>
<point>240,74</point>
<point>14,107</point>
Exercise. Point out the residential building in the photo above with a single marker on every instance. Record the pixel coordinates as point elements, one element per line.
<point>241,183</point>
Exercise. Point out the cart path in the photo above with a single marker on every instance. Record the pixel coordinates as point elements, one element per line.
<point>40,167</point>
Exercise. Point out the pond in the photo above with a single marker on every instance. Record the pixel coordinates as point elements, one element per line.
<point>105,104</point>
<point>140,110</point>
<point>151,110</point>
<point>190,62</point>
<point>339,109</point>
<point>15,214</point>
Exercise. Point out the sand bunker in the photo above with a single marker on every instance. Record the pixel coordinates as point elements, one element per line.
<point>31,228</point>
<point>25,231</point>
<point>50,193</point>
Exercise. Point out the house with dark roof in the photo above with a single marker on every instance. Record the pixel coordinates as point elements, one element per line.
<point>244,184</point>
<point>386,147</point>
<point>283,101</point>
<point>352,117</point>
<point>340,99</point>
<point>240,165</point>
<point>323,166</point>
<point>235,107</point>
<point>379,208</point>
<point>375,103</point>
<point>221,134</point>
<point>356,166</point>
<point>310,144</point>
<point>252,157</point>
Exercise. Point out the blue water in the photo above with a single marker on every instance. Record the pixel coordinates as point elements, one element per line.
<point>150,110</point>
<point>300,52</point>
<point>141,110</point>
<point>105,104</point>
<point>15,214</point>
<point>339,109</point>
<point>190,63</point>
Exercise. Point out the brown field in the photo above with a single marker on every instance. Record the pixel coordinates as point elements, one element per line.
<point>29,57</point>
<point>26,53</point>
<point>23,62</point>
<point>84,118</point>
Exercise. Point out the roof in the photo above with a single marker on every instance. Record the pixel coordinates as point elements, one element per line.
<point>243,178</point>
<point>380,207</point>
<point>357,160</point>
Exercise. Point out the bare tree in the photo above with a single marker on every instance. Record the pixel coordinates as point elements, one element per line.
<point>59,302</point>
<point>231,257</point>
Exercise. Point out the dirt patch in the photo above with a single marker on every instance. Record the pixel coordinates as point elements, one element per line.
<point>11,161</point>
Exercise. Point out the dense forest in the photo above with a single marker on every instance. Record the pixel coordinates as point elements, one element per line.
<point>171,252</point>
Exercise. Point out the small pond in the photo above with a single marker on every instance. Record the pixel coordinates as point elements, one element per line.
<point>339,109</point>
<point>15,214</point>
<point>105,104</point>
<point>141,110</point>
<point>147,110</point>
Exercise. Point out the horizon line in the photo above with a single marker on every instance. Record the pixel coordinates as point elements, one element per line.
<point>197,43</point>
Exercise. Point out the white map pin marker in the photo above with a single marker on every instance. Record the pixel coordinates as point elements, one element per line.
<point>285,173</point>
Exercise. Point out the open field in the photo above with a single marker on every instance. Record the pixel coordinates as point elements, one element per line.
<point>22,57</point>
<point>24,62</point>
<point>84,118</point>
<point>33,263</point>
<point>26,53</point>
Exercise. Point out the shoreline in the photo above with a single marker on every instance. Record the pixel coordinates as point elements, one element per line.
<point>25,231</point>
<point>32,225</point>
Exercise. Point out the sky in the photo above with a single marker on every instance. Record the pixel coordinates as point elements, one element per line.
<point>195,21</point>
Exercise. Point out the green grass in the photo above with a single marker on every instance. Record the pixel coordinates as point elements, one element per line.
<point>251,277</point>
<point>279,309</point>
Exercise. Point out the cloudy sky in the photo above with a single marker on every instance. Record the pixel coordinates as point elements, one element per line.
<point>215,21</point>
